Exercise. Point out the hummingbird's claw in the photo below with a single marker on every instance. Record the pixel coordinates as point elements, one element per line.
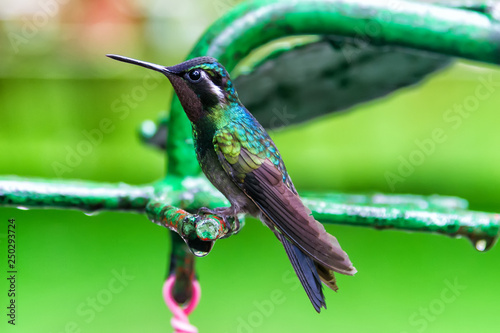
<point>206,210</point>
<point>237,224</point>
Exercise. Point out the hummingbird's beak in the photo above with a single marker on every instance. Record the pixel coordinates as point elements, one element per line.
<point>155,67</point>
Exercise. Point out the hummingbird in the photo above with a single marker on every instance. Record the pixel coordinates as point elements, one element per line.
<point>240,159</point>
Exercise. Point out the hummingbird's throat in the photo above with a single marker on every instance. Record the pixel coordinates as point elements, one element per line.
<point>190,102</point>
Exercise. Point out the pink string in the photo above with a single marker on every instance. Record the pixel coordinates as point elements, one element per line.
<point>180,321</point>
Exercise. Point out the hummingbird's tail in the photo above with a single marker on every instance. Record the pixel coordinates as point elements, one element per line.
<point>309,273</point>
<point>327,276</point>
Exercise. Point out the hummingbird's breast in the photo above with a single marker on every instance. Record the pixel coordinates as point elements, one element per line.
<point>212,168</point>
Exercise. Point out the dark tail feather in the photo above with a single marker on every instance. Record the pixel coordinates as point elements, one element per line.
<point>327,276</point>
<point>305,268</point>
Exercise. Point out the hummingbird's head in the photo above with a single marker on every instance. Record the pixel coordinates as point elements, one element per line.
<point>202,84</point>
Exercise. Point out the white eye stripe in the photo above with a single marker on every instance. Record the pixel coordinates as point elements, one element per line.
<point>213,88</point>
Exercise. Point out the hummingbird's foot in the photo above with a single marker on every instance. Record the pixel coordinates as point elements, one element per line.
<point>231,220</point>
<point>236,224</point>
<point>215,211</point>
<point>227,215</point>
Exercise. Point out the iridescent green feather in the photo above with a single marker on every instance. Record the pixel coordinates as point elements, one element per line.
<point>257,147</point>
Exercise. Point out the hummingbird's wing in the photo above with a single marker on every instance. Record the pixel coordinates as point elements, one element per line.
<point>307,272</point>
<point>252,161</point>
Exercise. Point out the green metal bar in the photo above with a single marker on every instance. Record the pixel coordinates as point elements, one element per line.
<point>191,235</point>
<point>437,214</point>
<point>93,196</point>
<point>205,227</point>
<point>482,229</point>
<point>189,193</point>
<point>182,265</point>
<point>400,201</point>
<point>85,195</point>
<point>450,31</point>
<point>444,215</point>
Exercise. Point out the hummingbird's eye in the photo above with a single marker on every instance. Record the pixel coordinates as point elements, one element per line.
<point>194,75</point>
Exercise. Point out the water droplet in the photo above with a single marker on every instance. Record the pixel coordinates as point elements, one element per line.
<point>148,128</point>
<point>484,243</point>
<point>199,253</point>
<point>22,208</point>
<point>198,247</point>
<point>480,245</point>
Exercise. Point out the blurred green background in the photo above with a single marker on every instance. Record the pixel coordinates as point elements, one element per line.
<point>56,84</point>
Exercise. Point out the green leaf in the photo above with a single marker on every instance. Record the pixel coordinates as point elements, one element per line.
<point>333,74</point>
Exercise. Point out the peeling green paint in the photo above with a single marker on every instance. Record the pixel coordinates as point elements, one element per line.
<point>88,196</point>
